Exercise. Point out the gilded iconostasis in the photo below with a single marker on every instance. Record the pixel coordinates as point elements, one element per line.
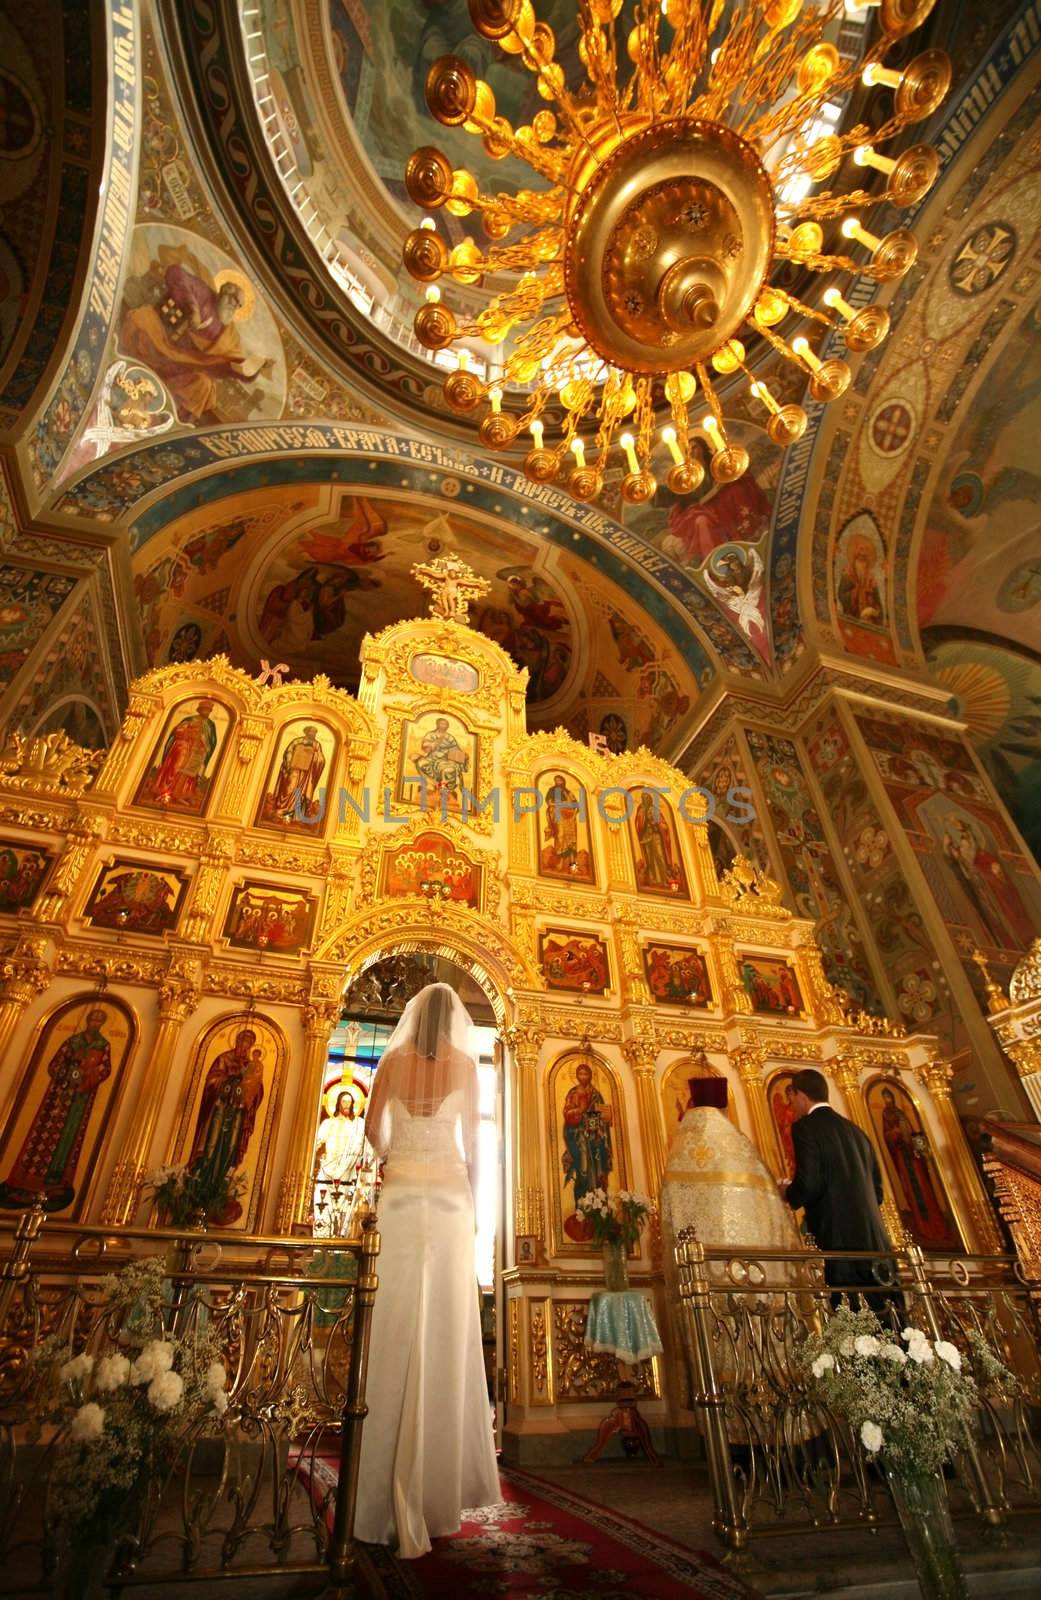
<point>224,456</point>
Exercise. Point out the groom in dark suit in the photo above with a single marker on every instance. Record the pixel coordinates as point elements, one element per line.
<point>838,1183</point>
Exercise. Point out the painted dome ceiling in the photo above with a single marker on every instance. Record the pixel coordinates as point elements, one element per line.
<point>339,100</point>
<point>273,502</point>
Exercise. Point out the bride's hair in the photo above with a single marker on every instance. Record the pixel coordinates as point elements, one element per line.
<point>435,1019</point>
<point>432,1051</point>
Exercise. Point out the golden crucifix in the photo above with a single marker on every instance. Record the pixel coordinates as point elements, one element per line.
<point>453,585</point>
<point>996,1001</point>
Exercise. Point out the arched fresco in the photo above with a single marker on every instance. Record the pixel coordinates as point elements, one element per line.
<point>299,573</point>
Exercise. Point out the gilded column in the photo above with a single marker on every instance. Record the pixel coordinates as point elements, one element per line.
<point>733,995</point>
<point>209,880</point>
<point>118,758</point>
<point>619,856</point>
<point>252,732</point>
<point>825,1003</point>
<point>705,874</point>
<point>633,983</point>
<point>349,817</point>
<point>80,842</point>
<point>319,1017</point>
<point>642,1054</point>
<point>344,869</point>
<point>178,998</point>
<point>25,973</point>
<point>750,1061</point>
<point>937,1077</point>
<point>529,1206</point>
<point>846,1073</point>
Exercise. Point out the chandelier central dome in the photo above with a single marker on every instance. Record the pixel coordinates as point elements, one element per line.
<point>667,244</point>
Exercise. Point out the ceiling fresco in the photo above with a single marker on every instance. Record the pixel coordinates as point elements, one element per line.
<point>192,338</point>
<point>303,573</point>
<point>921,526</point>
<point>276,456</point>
<point>979,563</point>
<point>384,49</point>
<point>997,690</point>
<point>46,144</point>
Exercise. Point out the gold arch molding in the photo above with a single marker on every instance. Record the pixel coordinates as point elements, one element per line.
<point>481,949</point>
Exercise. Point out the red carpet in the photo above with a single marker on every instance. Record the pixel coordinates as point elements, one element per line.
<point>543,1542</point>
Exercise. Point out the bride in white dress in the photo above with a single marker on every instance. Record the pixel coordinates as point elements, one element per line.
<point>427,1448</point>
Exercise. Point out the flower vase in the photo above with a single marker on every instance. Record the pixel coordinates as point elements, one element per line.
<point>925,1517</point>
<point>82,1571</point>
<point>616,1266</point>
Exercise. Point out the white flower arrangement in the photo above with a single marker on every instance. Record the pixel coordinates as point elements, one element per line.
<point>182,1198</point>
<point>910,1403</point>
<point>120,1417</point>
<point>616,1219</point>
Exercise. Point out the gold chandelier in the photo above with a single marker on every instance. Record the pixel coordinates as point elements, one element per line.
<point>676,194</point>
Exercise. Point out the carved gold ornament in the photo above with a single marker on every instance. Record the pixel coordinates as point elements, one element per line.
<point>674,190</point>
<point>48,761</point>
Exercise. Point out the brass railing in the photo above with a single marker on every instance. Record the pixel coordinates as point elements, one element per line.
<point>778,1461</point>
<point>272,1490</point>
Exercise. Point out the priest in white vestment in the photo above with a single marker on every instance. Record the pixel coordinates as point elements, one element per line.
<point>716,1184</point>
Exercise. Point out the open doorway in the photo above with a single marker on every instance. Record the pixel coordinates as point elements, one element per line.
<point>346,1175</point>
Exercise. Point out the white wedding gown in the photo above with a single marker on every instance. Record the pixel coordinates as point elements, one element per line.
<point>427,1447</point>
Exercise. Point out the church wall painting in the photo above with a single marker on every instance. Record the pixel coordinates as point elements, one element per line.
<point>299,778</point>
<point>738,827</point>
<point>779,1090</point>
<point>657,858</point>
<point>997,691</point>
<point>901,933</point>
<point>565,846</point>
<point>637,689</point>
<point>677,976</point>
<point>190,578</point>
<point>22,871</point>
<point>180,774</point>
<point>438,761</point>
<point>977,875</point>
<point>133,898</point>
<point>230,1111</point>
<point>268,916</point>
<point>894,921</point>
<point>51,1145</point>
<point>977,565</point>
<point>430,865</point>
<point>914,1176</point>
<point>734,576</point>
<point>771,984</point>
<point>527,616</point>
<point>587,1143</point>
<point>29,600</point>
<point>70,669</point>
<point>194,320</point>
<point>861,587</point>
<point>577,962</point>
<point>340,1152</point>
<point>813,877</point>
